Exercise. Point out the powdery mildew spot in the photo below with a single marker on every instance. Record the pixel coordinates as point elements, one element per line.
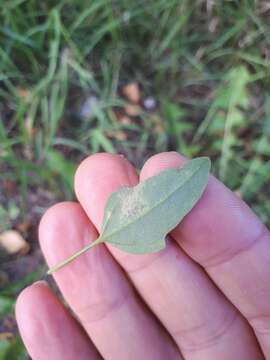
<point>187,173</point>
<point>133,203</point>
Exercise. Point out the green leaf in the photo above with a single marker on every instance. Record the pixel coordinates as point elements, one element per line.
<point>12,350</point>
<point>137,219</point>
<point>6,306</point>
<point>61,166</point>
<point>4,219</point>
<point>231,94</point>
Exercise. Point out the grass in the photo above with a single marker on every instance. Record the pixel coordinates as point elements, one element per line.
<point>207,65</point>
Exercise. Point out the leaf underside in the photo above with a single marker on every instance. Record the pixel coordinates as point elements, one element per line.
<point>137,219</point>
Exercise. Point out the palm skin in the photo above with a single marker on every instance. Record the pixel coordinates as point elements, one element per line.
<point>205,296</point>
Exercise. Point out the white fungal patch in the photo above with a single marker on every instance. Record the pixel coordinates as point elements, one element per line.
<point>133,203</point>
<point>187,173</point>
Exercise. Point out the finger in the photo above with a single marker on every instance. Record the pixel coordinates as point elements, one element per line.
<point>173,286</point>
<point>98,291</point>
<point>48,330</point>
<point>229,241</point>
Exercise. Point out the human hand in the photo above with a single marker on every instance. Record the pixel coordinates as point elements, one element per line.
<point>205,296</point>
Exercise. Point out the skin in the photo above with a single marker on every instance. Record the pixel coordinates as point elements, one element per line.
<point>205,296</point>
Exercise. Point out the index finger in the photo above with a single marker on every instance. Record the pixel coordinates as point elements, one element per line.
<point>229,241</point>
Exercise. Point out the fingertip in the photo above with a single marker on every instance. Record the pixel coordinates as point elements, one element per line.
<point>162,161</point>
<point>51,223</point>
<point>58,213</point>
<point>29,301</point>
<point>21,300</point>
<point>47,328</point>
<point>99,163</point>
<point>63,230</point>
<point>97,177</point>
<point>27,295</point>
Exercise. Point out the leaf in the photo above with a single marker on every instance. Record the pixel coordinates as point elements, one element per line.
<point>4,218</point>
<point>61,166</point>
<point>231,95</point>
<point>137,219</point>
<point>6,306</point>
<point>12,350</point>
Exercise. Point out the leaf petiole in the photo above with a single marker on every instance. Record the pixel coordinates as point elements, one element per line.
<point>74,256</point>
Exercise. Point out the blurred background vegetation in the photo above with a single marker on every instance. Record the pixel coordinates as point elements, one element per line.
<point>132,77</point>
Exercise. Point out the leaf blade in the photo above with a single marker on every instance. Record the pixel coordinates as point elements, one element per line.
<point>153,208</point>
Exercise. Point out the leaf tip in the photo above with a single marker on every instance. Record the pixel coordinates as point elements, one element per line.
<point>205,161</point>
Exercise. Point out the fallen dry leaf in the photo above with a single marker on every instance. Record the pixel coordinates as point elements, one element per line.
<point>23,93</point>
<point>158,124</point>
<point>6,336</point>
<point>133,110</point>
<point>27,152</point>
<point>3,279</point>
<point>24,226</point>
<point>159,129</point>
<point>132,92</point>
<point>124,120</point>
<point>13,243</point>
<point>10,187</point>
<point>118,135</point>
<point>30,130</point>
